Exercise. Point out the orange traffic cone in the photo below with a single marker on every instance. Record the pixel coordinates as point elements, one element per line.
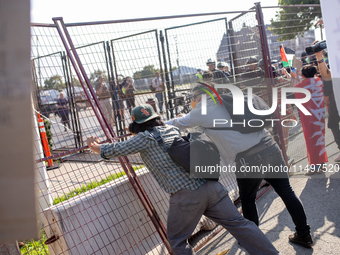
<point>44,140</point>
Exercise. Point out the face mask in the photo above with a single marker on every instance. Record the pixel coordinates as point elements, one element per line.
<point>193,104</point>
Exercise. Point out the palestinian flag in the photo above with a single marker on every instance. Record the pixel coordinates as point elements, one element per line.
<point>287,55</point>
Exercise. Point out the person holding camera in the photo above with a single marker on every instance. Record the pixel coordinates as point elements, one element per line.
<point>333,114</point>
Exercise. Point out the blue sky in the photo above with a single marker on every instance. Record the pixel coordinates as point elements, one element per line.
<point>42,11</point>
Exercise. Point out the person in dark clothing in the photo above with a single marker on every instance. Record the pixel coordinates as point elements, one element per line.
<point>219,77</point>
<point>257,149</point>
<point>223,68</point>
<point>253,76</point>
<point>190,198</point>
<point>63,110</point>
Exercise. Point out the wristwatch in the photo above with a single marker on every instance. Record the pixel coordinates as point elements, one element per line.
<point>320,61</point>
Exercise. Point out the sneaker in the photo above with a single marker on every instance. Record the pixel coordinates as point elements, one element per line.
<point>315,169</point>
<point>337,159</point>
<point>303,241</point>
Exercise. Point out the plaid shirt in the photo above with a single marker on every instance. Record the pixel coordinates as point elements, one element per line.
<point>169,175</point>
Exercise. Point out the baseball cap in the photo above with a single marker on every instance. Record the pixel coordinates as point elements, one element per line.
<point>143,113</point>
<point>210,62</point>
<point>220,64</point>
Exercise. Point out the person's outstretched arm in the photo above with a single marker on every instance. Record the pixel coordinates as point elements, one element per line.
<point>134,145</point>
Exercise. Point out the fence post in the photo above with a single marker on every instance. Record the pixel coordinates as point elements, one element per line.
<point>161,37</point>
<point>71,98</point>
<point>161,69</point>
<point>112,83</point>
<point>230,36</point>
<point>269,73</point>
<point>170,71</point>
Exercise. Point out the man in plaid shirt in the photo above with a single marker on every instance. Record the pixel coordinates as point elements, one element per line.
<point>190,198</point>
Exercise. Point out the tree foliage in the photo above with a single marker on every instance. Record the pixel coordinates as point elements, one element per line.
<point>292,22</point>
<point>54,82</point>
<point>147,72</point>
<point>76,82</point>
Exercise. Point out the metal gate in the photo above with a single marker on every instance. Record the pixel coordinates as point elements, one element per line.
<point>135,52</point>
<point>110,207</point>
<point>203,40</point>
<point>46,99</point>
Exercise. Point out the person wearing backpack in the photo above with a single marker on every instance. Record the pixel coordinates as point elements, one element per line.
<point>248,149</point>
<point>190,198</point>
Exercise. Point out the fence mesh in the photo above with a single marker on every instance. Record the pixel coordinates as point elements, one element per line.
<point>86,203</point>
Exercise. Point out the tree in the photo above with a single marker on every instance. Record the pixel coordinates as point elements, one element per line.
<point>76,82</point>
<point>147,72</point>
<point>295,21</point>
<point>54,82</point>
<point>94,76</point>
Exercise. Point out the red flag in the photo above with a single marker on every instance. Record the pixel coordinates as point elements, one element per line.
<point>314,125</point>
<point>283,56</point>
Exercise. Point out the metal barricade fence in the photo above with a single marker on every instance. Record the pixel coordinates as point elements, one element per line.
<point>92,206</point>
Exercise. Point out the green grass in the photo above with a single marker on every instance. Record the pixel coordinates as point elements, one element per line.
<point>91,185</point>
<point>35,247</point>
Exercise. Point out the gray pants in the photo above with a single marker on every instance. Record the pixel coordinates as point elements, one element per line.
<point>212,200</point>
<point>159,97</point>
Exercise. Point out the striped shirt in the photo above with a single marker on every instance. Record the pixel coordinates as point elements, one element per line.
<point>168,174</point>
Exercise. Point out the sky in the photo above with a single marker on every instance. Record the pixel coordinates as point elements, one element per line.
<point>74,11</point>
<point>42,11</point>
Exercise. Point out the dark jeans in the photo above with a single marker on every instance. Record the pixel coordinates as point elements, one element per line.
<point>279,181</point>
<point>65,119</point>
<point>130,103</point>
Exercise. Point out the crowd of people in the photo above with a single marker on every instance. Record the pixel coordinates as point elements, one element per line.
<point>190,198</point>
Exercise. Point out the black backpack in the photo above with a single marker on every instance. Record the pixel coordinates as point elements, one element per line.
<point>258,123</point>
<point>207,157</point>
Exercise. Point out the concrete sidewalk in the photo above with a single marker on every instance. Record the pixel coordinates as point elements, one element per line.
<point>320,196</point>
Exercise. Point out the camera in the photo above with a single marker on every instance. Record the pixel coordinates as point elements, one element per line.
<point>316,47</point>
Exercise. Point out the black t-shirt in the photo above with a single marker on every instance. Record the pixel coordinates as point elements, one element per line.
<point>327,88</point>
